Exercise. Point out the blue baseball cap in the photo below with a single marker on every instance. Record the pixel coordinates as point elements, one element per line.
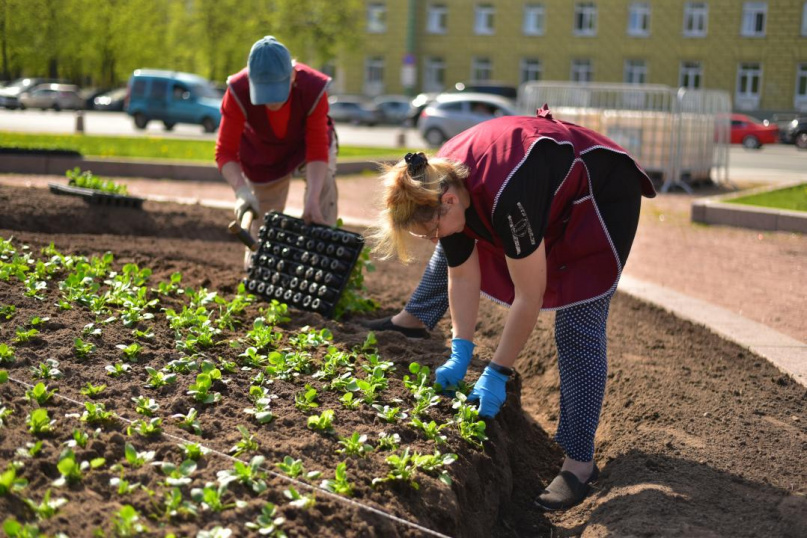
<point>270,70</point>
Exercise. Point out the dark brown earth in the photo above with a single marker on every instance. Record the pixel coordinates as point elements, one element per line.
<point>698,437</point>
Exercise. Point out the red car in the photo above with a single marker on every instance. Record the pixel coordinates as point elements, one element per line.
<point>751,132</point>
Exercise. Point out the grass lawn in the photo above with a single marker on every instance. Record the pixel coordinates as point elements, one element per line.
<point>152,147</point>
<point>793,199</point>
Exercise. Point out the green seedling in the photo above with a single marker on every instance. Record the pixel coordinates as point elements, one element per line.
<point>299,362</point>
<point>374,361</point>
<point>158,378</point>
<point>434,463</point>
<point>172,286</point>
<point>201,390</point>
<point>127,522</point>
<point>355,445</point>
<point>248,443</point>
<point>39,422</point>
<point>36,321</point>
<point>82,349</point>
<point>306,401</point>
<point>96,413</point>
<point>248,474</point>
<point>322,423</point>
<point>145,406</point>
<point>252,358</point>
<point>40,393</point>
<point>10,482</point>
<point>123,486</point>
<point>177,475</point>
<point>193,451</point>
<point>117,370</point>
<point>47,508</point>
<point>47,370</point>
<point>340,484</point>
<point>354,298</point>
<point>88,180</point>
<point>175,505</point>
<point>268,523</point>
<point>7,311</point>
<point>389,442</point>
<point>228,367</point>
<point>294,468</point>
<point>298,500</point>
<point>431,430</point>
<point>275,313</point>
<point>212,498</point>
<point>189,421</point>
<point>349,401</point>
<point>15,529</point>
<point>6,354</point>
<point>3,376</point>
<point>137,459</point>
<point>183,365</point>
<point>425,399</point>
<point>402,468</point>
<point>148,334</point>
<point>467,420</point>
<point>344,383</point>
<point>146,428</point>
<point>389,414</point>
<point>261,411</point>
<point>215,532</point>
<point>131,352</point>
<point>308,338</point>
<point>80,439</point>
<point>90,330</point>
<point>25,335</point>
<point>30,450</point>
<point>92,391</point>
<point>73,471</point>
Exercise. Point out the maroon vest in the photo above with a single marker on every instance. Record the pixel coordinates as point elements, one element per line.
<point>582,264</point>
<point>264,156</point>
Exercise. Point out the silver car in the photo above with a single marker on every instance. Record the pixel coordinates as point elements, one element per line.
<point>55,96</point>
<point>451,113</point>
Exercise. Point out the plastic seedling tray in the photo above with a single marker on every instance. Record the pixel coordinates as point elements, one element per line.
<point>97,197</point>
<point>305,266</point>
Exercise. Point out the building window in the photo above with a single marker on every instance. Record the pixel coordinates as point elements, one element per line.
<point>376,18</point>
<point>374,75</point>
<point>690,75</point>
<point>581,71</point>
<point>483,19</point>
<point>530,70</point>
<point>801,87</point>
<point>804,19</point>
<point>749,84</point>
<point>481,69</point>
<point>696,19</point>
<point>635,72</point>
<point>754,15</point>
<point>585,19</point>
<point>436,19</point>
<point>534,17</point>
<point>639,19</point>
<point>434,77</point>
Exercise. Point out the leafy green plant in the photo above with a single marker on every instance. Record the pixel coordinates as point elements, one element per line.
<point>340,484</point>
<point>322,423</point>
<point>147,334</point>
<point>39,422</point>
<point>92,391</point>
<point>47,370</point>
<point>15,529</point>
<point>88,180</point>
<point>177,475</point>
<point>431,430</point>
<point>40,394</point>
<point>189,421</point>
<point>349,401</point>
<point>123,486</point>
<point>212,498</point>
<point>10,482</point>
<point>82,349</point>
<point>298,500</point>
<point>175,505</point>
<point>201,390</point>
<point>117,370</point>
<point>389,414</point>
<point>91,330</point>
<point>30,450</point>
<point>145,406</point>
<point>268,523</point>
<point>402,468</point>
<point>306,401</point>
<point>3,376</point>
<point>72,471</point>
<point>131,352</point>
<point>146,428</point>
<point>173,286</point>
<point>294,468</point>
<point>354,299</point>
<point>248,474</point>
<point>6,354</point>
<point>127,522</point>
<point>248,443</point>
<point>355,445</point>
<point>80,439</point>
<point>308,338</point>
<point>95,413</point>
<point>7,311</point>
<point>25,335</point>
<point>183,365</point>
<point>216,532</point>
<point>157,378</point>
<point>47,508</point>
<point>275,313</point>
<point>193,451</point>
<point>388,441</point>
<point>435,463</point>
<point>467,420</point>
<point>137,459</point>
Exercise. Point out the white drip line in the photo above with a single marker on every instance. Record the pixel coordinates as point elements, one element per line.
<point>275,474</point>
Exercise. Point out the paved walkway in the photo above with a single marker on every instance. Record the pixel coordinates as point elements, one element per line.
<point>709,275</point>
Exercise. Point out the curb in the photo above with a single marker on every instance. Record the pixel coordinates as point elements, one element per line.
<point>58,165</point>
<point>714,210</point>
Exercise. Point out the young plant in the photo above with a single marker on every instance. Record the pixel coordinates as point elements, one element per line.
<point>145,406</point>
<point>340,484</point>
<point>146,428</point>
<point>158,378</point>
<point>175,505</point>
<point>402,468</point>
<point>39,422</point>
<point>6,354</point>
<point>388,442</point>
<point>177,476</point>
<point>189,421</point>
<point>248,474</point>
<point>349,401</point>
<point>268,523</point>
<point>131,352</point>
<point>431,430</point>
<point>30,450</point>
<point>127,522</point>
<point>212,498</point>
<point>95,413</point>
<point>79,439</point>
<point>7,311</point>
<point>246,444</point>
<point>117,370</point>
<point>467,420</point>
<point>40,394</point>
<point>148,334</point>
<point>308,338</point>
<point>193,451</point>
<point>306,401</point>
<point>170,287</point>
<point>23,335</point>
<point>92,391</point>
<point>82,349</point>
<point>71,470</point>
<point>389,414</point>
<point>298,500</point>
<point>322,423</point>
<point>47,370</point>
<point>201,390</point>
<point>47,508</point>
<point>294,468</point>
<point>123,486</point>
<point>434,463</point>
<point>137,459</point>
<point>355,445</point>
<point>10,482</point>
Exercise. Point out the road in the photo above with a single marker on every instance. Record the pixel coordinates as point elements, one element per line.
<point>770,160</point>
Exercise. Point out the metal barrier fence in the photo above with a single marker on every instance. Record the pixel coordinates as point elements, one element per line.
<point>677,135</point>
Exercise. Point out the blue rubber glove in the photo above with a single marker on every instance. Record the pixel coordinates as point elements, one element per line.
<point>490,391</point>
<point>454,369</point>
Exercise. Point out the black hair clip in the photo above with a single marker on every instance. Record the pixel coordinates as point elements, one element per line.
<point>415,162</point>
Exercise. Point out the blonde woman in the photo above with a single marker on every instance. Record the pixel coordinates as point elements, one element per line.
<point>536,214</point>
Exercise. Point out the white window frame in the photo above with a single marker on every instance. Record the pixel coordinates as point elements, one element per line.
<point>690,75</point>
<point>800,94</point>
<point>755,19</point>
<point>696,19</point>
<point>534,19</point>
<point>529,67</point>
<point>639,19</point>
<point>434,74</point>
<point>436,19</point>
<point>376,18</point>
<point>374,75</point>
<point>749,74</point>
<point>481,64</point>
<point>585,13</point>
<point>804,20</point>
<point>582,70</point>
<point>484,19</point>
<point>635,71</point>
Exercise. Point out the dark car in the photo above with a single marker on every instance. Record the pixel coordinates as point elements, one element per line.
<point>351,109</point>
<point>112,100</point>
<point>796,133</point>
<point>494,88</point>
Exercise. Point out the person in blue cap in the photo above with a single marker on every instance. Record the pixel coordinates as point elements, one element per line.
<point>274,122</point>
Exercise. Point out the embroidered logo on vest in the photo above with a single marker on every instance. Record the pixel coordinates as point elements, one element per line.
<point>521,228</point>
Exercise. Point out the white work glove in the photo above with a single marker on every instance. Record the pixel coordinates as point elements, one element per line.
<point>245,200</point>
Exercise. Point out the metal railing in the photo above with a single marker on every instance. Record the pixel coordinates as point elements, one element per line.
<point>677,135</point>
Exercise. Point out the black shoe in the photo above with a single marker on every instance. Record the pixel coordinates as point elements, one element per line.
<point>385,324</point>
<point>566,491</point>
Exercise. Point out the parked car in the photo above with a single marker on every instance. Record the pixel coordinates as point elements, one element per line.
<point>796,133</point>
<point>52,96</point>
<point>391,109</point>
<point>112,100</point>
<point>351,109</point>
<point>172,97</point>
<point>416,106</point>
<point>10,93</point>
<point>751,132</point>
<point>451,113</point>
<point>494,88</point>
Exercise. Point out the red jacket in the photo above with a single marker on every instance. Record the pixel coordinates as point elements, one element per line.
<point>265,157</point>
<point>582,264</point>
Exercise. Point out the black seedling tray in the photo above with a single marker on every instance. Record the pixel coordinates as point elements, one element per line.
<point>97,197</point>
<point>305,266</point>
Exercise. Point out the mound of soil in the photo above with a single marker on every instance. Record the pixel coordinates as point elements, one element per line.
<point>697,436</point>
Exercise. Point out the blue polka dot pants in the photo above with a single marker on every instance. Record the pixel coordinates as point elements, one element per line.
<point>581,341</point>
<point>429,302</point>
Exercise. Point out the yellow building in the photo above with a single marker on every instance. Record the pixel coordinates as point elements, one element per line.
<point>754,50</point>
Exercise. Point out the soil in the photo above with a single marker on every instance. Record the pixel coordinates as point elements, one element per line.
<point>697,436</point>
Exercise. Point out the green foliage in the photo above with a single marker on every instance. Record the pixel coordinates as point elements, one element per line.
<point>92,391</point>
<point>159,379</point>
<point>402,468</point>
<point>15,529</point>
<point>248,443</point>
<point>47,508</point>
<point>355,445</point>
<point>10,482</point>
<point>268,523</point>
<point>146,428</point>
<point>3,376</point>
<point>173,286</point>
<point>201,390</point>
<point>294,468</point>
<point>388,442</point>
<point>6,354</point>
<point>88,180</point>
<point>322,423</point>
<point>389,414</point>
<point>39,422</point>
<point>71,470</point>
<point>7,311</point>
<point>118,369</point>
<point>177,475</point>
<point>306,401</point>
<point>431,430</point>
<point>212,498</point>
<point>127,522</point>
<point>340,484</point>
<point>248,474</point>
<point>25,335</point>
<point>193,451</point>
<point>40,394</point>
<point>137,459</point>
<point>81,348</point>
<point>471,428</point>
<point>47,370</point>
<point>298,500</point>
<point>354,299</point>
<point>189,421</point>
<point>145,406</point>
<point>96,413</point>
<point>131,352</point>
